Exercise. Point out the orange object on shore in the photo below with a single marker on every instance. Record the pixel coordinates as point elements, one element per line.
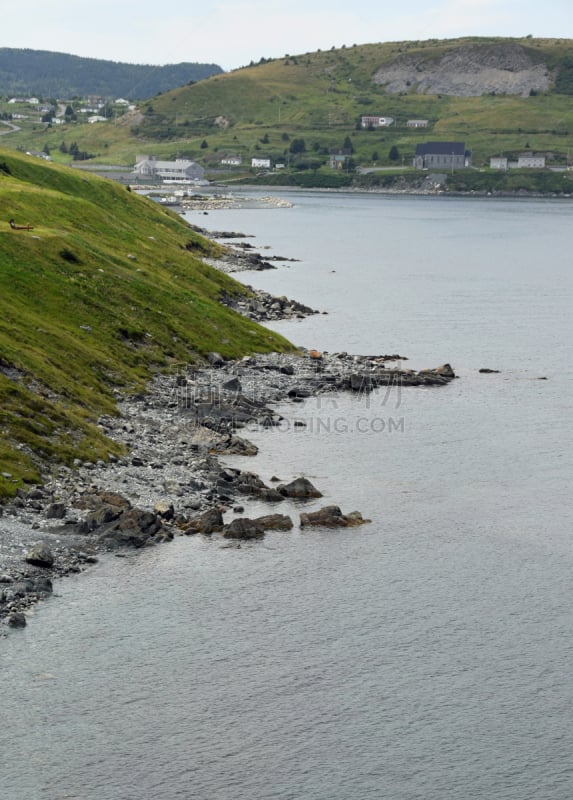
<point>315,354</point>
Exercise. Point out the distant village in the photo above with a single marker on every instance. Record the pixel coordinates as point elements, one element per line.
<point>442,156</point>
<point>62,113</point>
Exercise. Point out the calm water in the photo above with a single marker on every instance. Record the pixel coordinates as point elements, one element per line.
<point>427,655</point>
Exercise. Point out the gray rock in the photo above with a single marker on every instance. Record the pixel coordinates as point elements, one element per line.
<point>135,528</point>
<point>215,359</point>
<point>56,511</point>
<point>40,556</point>
<point>270,495</point>
<point>103,515</point>
<point>234,385</point>
<point>299,488</point>
<point>332,517</point>
<point>243,528</point>
<point>36,493</point>
<point>43,585</point>
<point>16,620</point>
<point>209,522</point>
<point>275,522</point>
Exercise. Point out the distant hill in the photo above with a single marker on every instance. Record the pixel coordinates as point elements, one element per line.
<point>500,96</point>
<point>58,75</point>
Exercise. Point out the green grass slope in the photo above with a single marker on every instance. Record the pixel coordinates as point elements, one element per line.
<point>106,288</point>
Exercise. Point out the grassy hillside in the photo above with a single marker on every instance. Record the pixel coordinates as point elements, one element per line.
<point>107,287</point>
<point>319,97</point>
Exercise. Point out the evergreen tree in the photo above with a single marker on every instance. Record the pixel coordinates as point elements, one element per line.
<point>297,146</point>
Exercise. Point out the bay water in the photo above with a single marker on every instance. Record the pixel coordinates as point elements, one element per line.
<point>427,655</point>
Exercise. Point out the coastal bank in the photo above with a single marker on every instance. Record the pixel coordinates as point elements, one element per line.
<point>172,481</point>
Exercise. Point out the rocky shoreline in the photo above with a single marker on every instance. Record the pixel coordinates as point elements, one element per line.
<point>171,480</point>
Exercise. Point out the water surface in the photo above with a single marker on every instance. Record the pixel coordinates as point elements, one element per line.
<point>426,655</point>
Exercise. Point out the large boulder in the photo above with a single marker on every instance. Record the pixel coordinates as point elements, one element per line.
<point>94,500</point>
<point>300,488</point>
<point>270,495</point>
<point>16,620</point>
<point>249,483</point>
<point>135,528</point>
<point>332,517</point>
<point>40,556</point>
<point>102,516</point>
<point>56,511</point>
<point>208,522</point>
<point>275,522</point>
<point>445,371</point>
<point>244,528</point>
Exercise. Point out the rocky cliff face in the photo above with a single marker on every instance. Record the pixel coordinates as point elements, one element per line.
<point>467,71</point>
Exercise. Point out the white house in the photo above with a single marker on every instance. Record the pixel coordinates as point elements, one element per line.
<point>376,122</point>
<point>232,161</point>
<point>417,123</point>
<point>179,171</point>
<point>97,118</point>
<point>498,163</point>
<point>261,162</point>
<point>33,101</point>
<point>531,161</point>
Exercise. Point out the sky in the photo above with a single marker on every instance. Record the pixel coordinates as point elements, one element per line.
<point>232,33</point>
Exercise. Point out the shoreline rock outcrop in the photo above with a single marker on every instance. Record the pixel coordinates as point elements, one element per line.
<point>332,517</point>
<point>171,482</point>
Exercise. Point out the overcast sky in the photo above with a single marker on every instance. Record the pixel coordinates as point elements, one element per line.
<point>232,33</point>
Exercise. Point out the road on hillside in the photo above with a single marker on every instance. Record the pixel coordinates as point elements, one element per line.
<point>11,128</point>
